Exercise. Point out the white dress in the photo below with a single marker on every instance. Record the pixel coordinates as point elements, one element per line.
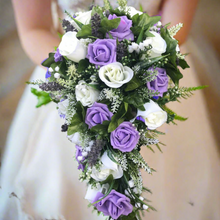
<point>39,176</point>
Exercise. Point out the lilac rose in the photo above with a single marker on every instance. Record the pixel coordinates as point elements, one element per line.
<point>102,52</point>
<point>79,157</point>
<point>160,84</point>
<point>115,204</point>
<point>97,114</point>
<point>125,137</point>
<point>123,31</point>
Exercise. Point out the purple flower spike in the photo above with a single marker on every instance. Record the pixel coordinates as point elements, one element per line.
<point>57,56</point>
<point>97,114</point>
<point>125,137</point>
<point>115,204</point>
<point>48,74</point>
<point>123,31</point>
<point>79,154</point>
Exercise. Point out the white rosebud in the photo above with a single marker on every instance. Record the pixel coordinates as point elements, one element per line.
<point>115,75</point>
<point>159,45</point>
<point>108,167</point>
<point>91,192</point>
<point>130,49</point>
<point>84,154</point>
<point>84,17</point>
<point>57,68</point>
<point>62,107</point>
<point>153,115</point>
<point>141,46</point>
<point>145,207</point>
<point>131,183</point>
<point>141,198</point>
<point>72,48</point>
<point>75,138</point>
<point>50,69</point>
<point>86,94</point>
<point>57,75</point>
<point>80,158</point>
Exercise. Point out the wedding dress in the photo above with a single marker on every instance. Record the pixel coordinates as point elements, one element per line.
<point>39,176</point>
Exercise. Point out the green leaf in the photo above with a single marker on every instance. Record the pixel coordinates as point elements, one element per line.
<point>48,61</point>
<point>101,129</point>
<point>183,64</point>
<point>141,36</point>
<point>133,84</point>
<point>43,97</point>
<point>83,65</point>
<point>108,25</point>
<point>173,72</point>
<point>98,10</point>
<point>85,31</point>
<point>141,8</point>
<point>109,179</point>
<point>136,100</point>
<point>118,118</point>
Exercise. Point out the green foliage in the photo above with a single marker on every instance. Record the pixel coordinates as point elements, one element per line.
<point>101,129</point>
<point>85,31</point>
<point>133,84</point>
<point>77,123</point>
<point>107,5</point>
<point>97,10</point>
<point>83,65</point>
<point>108,25</point>
<point>76,21</point>
<point>118,118</point>
<point>48,61</point>
<point>43,97</point>
<point>136,100</point>
<point>183,64</point>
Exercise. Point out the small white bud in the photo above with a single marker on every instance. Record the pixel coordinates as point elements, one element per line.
<point>131,183</point>
<point>88,149</point>
<point>159,23</point>
<point>130,49</point>
<point>135,190</point>
<point>141,198</point>
<point>50,69</point>
<point>80,158</point>
<point>57,75</point>
<point>57,68</point>
<point>84,154</point>
<point>137,205</point>
<point>145,207</point>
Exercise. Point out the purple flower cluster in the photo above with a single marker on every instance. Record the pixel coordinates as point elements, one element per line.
<point>79,154</point>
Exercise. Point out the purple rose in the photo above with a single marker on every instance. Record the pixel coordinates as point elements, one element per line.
<point>57,56</point>
<point>79,154</point>
<point>125,137</point>
<point>115,204</point>
<point>97,114</point>
<point>160,84</point>
<point>123,31</point>
<point>102,52</point>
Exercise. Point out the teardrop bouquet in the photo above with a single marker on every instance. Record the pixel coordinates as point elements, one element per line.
<point>112,76</point>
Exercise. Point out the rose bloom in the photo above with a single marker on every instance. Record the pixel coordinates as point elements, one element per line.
<point>158,44</point>
<point>71,47</point>
<point>125,137</point>
<point>160,84</point>
<point>153,115</point>
<point>108,167</point>
<point>86,94</point>
<point>115,204</point>
<point>115,75</point>
<point>123,31</point>
<point>102,52</point>
<point>97,114</point>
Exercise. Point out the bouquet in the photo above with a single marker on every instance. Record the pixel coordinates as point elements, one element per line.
<point>112,76</point>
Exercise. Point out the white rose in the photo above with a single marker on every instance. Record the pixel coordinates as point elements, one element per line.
<point>91,193</point>
<point>153,115</point>
<point>62,107</point>
<point>158,44</point>
<point>72,48</point>
<point>75,138</point>
<point>86,94</point>
<point>114,75</point>
<point>109,167</point>
<point>84,17</point>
